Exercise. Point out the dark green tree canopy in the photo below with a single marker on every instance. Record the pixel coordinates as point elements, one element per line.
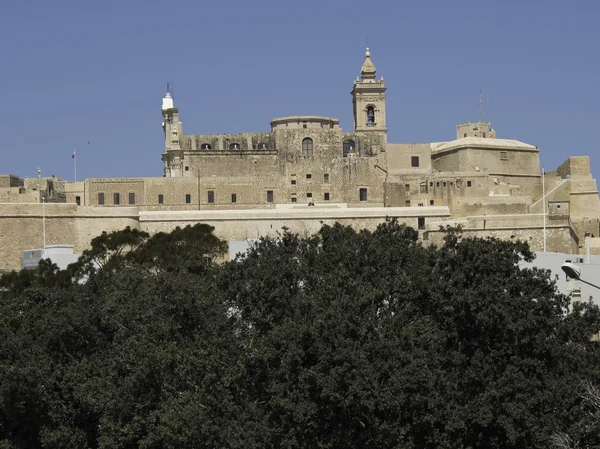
<point>345,339</point>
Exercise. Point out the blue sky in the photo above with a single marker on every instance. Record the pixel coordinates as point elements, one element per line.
<point>75,72</point>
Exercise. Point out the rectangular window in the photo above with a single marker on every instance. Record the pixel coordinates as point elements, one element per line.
<point>294,199</point>
<point>116,199</point>
<point>326,178</point>
<point>309,195</point>
<point>444,184</point>
<point>421,222</point>
<point>326,196</point>
<point>407,203</point>
<point>161,199</point>
<point>414,161</point>
<point>431,202</point>
<point>293,181</point>
<point>363,194</point>
<point>188,198</point>
<point>101,199</point>
<point>468,183</point>
<point>234,198</point>
<point>78,200</point>
<point>431,184</point>
<point>437,184</point>
<point>187,168</point>
<point>308,176</point>
<point>211,196</point>
<point>407,187</point>
<point>131,198</point>
<point>269,196</point>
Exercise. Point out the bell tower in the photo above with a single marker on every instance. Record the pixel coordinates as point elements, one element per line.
<point>172,157</point>
<point>368,99</point>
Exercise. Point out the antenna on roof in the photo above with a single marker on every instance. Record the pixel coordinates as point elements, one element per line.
<point>168,87</point>
<point>480,109</point>
<point>488,109</point>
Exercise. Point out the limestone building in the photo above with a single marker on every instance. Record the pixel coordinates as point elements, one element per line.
<point>305,170</point>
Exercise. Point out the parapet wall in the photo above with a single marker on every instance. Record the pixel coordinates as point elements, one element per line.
<point>575,166</point>
<point>21,227</point>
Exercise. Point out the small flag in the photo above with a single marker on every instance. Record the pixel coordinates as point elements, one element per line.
<point>73,156</point>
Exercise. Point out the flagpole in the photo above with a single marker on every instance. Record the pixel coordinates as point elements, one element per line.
<point>544,202</point>
<point>44,226</point>
<point>75,164</point>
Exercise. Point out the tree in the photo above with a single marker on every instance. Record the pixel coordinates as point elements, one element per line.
<point>342,339</point>
<point>193,249</point>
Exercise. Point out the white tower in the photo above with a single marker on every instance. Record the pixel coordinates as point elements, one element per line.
<point>173,129</point>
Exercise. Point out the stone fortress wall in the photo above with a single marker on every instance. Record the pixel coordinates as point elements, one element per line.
<point>306,171</point>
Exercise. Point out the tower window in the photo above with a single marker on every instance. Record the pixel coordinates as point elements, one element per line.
<point>363,194</point>
<point>116,199</point>
<point>326,178</point>
<point>431,202</point>
<point>187,168</point>
<point>370,116</point>
<point>206,146</point>
<point>262,146</point>
<point>234,198</point>
<point>468,183</point>
<point>293,182</point>
<point>101,199</point>
<point>188,198</point>
<point>234,146</point>
<point>308,176</point>
<point>307,147</point>
<point>269,196</point>
<point>326,196</point>
<point>161,199</point>
<point>211,197</point>
<point>349,145</point>
<point>294,199</point>
<point>414,161</point>
<point>131,198</point>
<point>407,188</point>
<point>78,200</point>
<point>421,222</point>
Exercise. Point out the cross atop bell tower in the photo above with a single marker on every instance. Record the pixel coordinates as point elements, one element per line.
<point>368,99</point>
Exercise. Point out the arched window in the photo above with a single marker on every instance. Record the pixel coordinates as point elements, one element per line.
<point>262,146</point>
<point>348,146</point>
<point>206,146</point>
<point>307,147</point>
<point>370,116</point>
<point>234,146</point>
